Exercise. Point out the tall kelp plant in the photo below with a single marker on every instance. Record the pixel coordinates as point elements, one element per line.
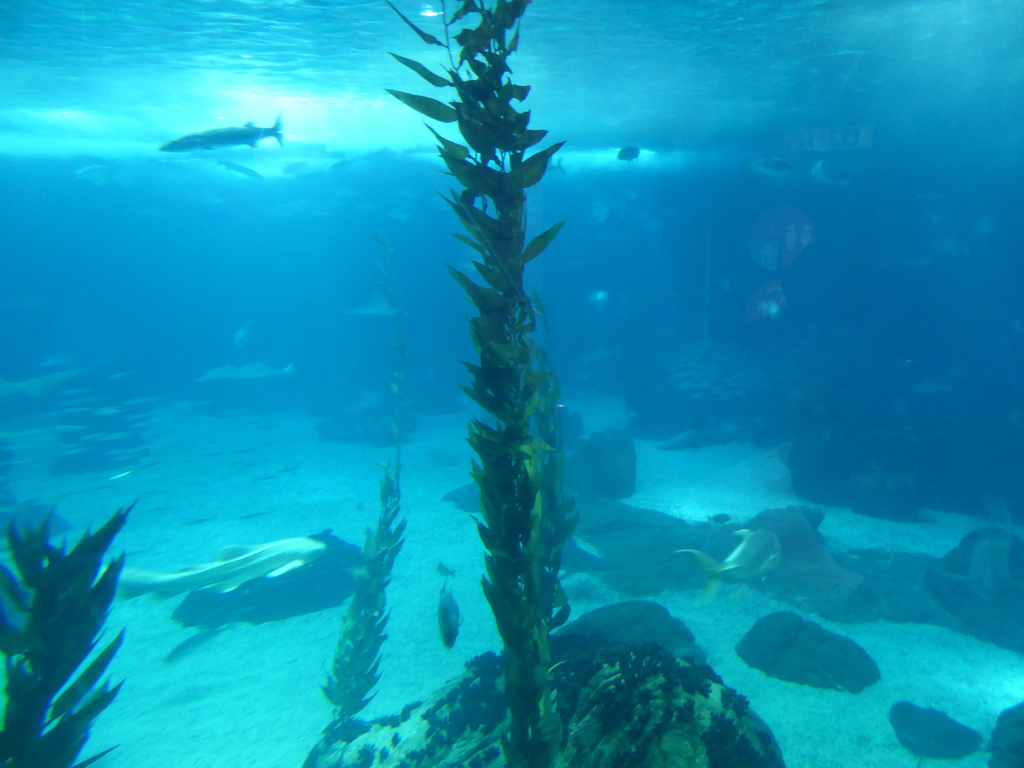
<point>356,668</point>
<point>495,167</point>
<point>53,612</point>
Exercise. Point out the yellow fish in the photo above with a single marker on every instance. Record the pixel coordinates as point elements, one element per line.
<point>754,556</point>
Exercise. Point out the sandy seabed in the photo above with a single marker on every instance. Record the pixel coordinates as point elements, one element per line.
<point>250,696</point>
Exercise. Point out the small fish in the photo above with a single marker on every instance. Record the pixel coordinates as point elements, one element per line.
<point>757,554</point>
<point>225,137</point>
<point>772,166</point>
<point>242,169</point>
<point>445,571</point>
<point>629,153</point>
<point>448,619</point>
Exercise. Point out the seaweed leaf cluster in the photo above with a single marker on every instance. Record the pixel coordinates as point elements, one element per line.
<point>54,611</point>
<point>356,668</point>
<point>520,529</point>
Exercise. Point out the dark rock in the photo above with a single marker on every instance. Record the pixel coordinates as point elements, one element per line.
<point>931,733</point>
<point>889,448</point>
<point>634,622</point>
<point>604,465</point>
<point>786,647</point>
<point>893,589</point>
<point>622,705</point>
<point>323,583</point>
<point>855,468</point>
<point>806,571</point>
<point>638,558</point>
<point>1007,744</point>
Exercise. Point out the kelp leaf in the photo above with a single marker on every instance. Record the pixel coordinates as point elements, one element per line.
<point>536,246</point>
<point>507,12</point>
<point>453,148</point>
<point>470,242</point>
<point>89,761</point>
<point>425,105</point>
<point>426,38</point>
<point>527,138</point>
<point>422,71</point>
<point>468,7</point>
<point>75,692</point>
<point>532,169</point>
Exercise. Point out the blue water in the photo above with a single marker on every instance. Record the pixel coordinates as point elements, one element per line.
<point>888,134</point>
<point>887,139</point>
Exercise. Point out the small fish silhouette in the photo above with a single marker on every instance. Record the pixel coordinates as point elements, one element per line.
<point>448,618</point>
<point>629,153</point>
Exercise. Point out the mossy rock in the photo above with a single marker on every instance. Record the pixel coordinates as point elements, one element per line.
<point>627,706</point>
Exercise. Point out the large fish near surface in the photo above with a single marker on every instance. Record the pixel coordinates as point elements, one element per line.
<point>236,566</point>
<point>247,134</point>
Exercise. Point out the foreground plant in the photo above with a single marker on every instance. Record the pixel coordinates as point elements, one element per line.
<point>524,524</point>
<point>54,611</point>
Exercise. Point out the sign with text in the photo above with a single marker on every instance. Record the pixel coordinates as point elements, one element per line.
<point>849,137</point>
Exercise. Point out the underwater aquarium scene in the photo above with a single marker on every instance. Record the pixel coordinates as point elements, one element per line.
<point>512,384</point>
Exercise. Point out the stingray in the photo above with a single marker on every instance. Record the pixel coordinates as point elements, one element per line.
<point>986,565</point>
<point>931,733</point>
<point>989,571</point>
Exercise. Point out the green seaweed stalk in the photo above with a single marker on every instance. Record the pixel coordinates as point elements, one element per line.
<point>513,468</point>
<point>356,668</point>
<point>55,609</point>
<point>559,516</point>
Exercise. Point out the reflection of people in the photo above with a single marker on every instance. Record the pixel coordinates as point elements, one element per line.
<point>766,252</point>
<point>239,354</point>
<point>786,229</point>
<point>241,336</point>
<point>796,243</point>
<point>766,301</point>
